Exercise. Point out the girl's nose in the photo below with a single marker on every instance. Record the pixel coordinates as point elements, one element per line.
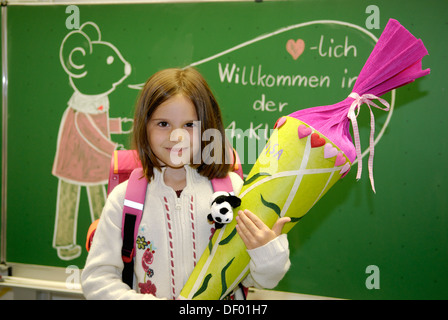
<point>178,135</point>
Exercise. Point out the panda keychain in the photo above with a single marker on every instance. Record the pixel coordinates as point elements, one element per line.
<point>222,204</point>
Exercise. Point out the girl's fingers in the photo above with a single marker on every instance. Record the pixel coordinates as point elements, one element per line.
<point>244,233</point>
<point>247,223</point>
<point>243,236</point>
<point>254,219</point>
<point>278,226</point>
<point>254,232</point>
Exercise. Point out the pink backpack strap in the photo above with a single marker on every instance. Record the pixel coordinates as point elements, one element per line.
<point>237,168</point>
<point>132,215</point>
<point>122,163</point>
<point>223,184</point>
<point>132,211</point>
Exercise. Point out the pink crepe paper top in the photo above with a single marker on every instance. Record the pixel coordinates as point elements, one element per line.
<point>395,61</point>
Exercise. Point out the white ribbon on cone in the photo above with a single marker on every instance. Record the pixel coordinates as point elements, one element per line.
<point>353,113</point>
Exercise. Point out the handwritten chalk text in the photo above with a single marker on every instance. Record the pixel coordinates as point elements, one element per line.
<point>254,76</point>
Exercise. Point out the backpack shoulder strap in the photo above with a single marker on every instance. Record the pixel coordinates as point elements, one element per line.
<point>223,184</point>
<point>122,163</point>
<point>132,215</point>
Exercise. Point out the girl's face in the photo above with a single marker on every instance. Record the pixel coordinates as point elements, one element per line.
<point>173,132</point>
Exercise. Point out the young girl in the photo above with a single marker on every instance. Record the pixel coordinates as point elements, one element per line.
<point>174,107</point>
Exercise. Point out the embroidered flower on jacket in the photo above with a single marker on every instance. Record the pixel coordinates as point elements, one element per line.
<point>147,287</point>
<point>142,243</point>
<point>150,272</point>
<point>147,259</point>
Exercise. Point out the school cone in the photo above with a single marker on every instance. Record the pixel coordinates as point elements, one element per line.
<point>296,168</point>
<point>308,152</point>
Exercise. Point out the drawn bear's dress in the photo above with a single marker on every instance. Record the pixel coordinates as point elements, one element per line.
<point>82,158</point>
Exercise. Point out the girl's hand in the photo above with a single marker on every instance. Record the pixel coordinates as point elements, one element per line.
<point>254,232</point>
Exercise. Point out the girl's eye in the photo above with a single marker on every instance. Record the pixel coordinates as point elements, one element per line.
<point>189,125</point>
<point>163,124</point>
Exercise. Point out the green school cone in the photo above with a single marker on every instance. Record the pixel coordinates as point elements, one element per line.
<point>299,164</point>
<point>296,168</point>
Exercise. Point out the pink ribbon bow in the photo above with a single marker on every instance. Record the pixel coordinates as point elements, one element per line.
<point>352,115</point>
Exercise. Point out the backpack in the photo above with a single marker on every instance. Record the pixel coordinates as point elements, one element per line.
<point>125,164</point>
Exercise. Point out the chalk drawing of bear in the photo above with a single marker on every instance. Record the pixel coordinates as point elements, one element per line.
<point>84,147</point>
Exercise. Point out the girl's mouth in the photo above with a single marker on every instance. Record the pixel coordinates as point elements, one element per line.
<point>177,150</point>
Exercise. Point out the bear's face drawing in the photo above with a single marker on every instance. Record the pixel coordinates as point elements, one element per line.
<point>94,67</point>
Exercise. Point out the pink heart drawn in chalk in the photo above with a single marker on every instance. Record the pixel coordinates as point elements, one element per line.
<point>340,160</point>
<point>295,48</point>
<point>304,131</point>
<point>330,151</point>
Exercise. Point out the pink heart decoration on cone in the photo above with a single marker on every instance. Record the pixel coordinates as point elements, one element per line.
<point>280,122</point>
<point>304,131</point>
<point>317,141</point>
<point>345,168</point>
<point>340,160</point>
<point>330,151</point>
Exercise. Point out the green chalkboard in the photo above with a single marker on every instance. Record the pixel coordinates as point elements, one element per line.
<point>262,60</point>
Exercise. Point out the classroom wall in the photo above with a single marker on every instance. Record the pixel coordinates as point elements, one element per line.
<point>394,240</point>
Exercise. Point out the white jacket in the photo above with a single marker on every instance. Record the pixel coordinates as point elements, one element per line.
<point>172,235</point>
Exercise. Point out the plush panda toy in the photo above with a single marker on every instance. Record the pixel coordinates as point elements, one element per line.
<point>222,204</point>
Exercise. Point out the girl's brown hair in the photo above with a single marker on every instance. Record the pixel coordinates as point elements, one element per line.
<point>159,88</point>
